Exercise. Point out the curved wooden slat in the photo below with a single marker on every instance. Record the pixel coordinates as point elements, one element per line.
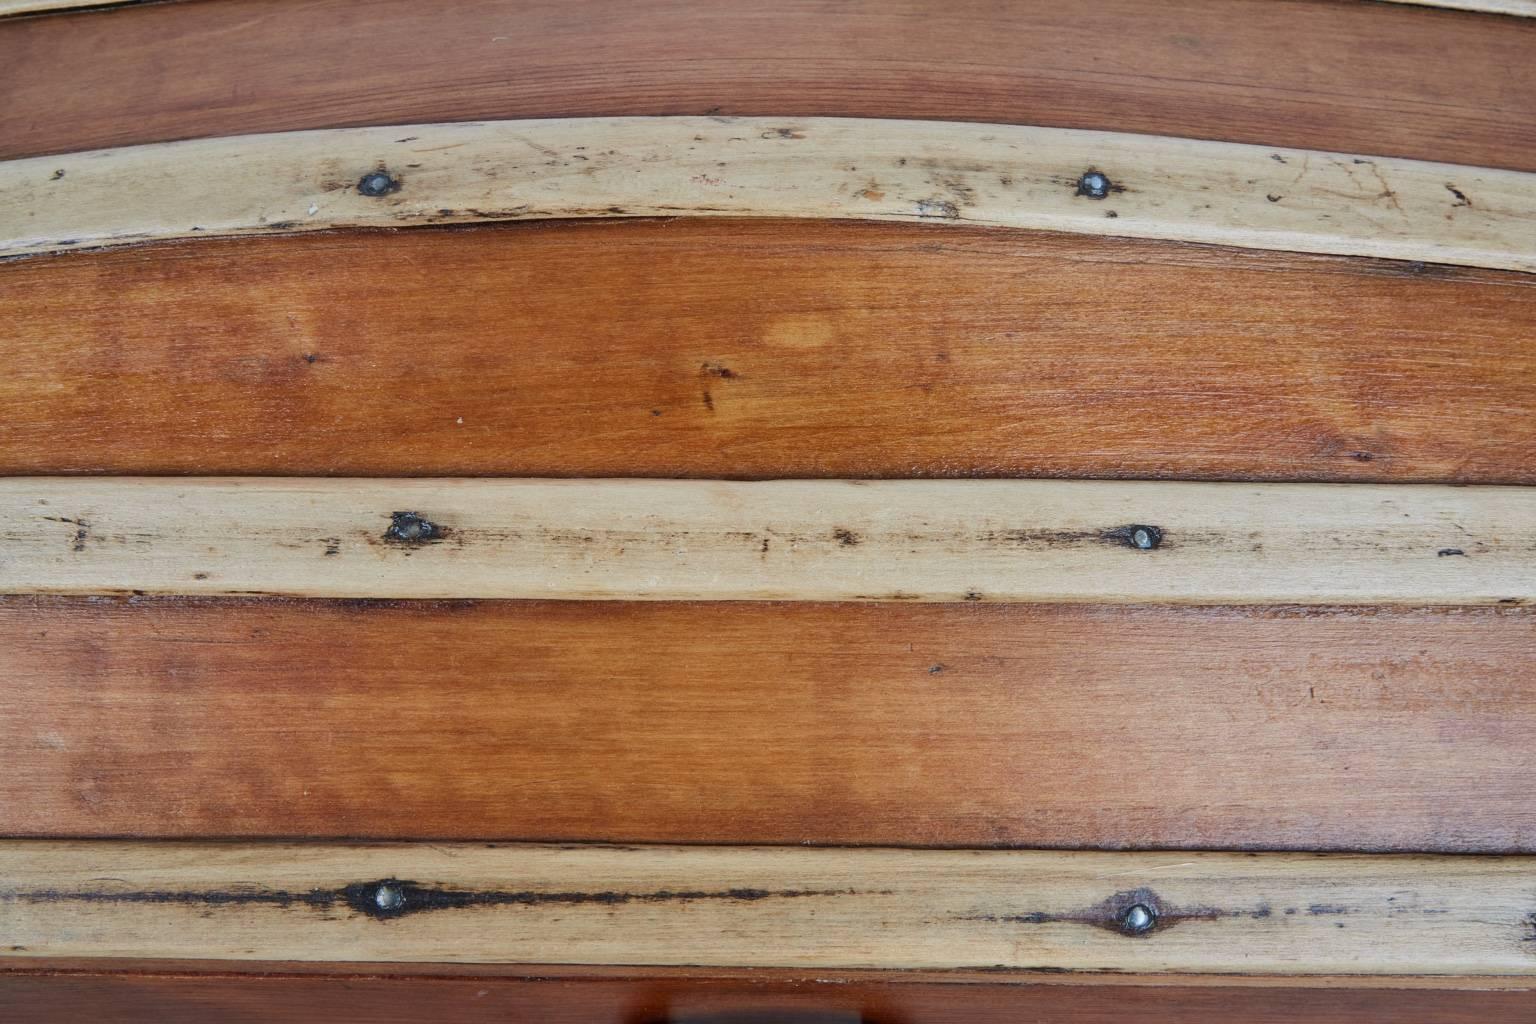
<point>734,722</point>
<point>761,906</point>
<point>1314,74</point>
<point>762,349</point>
<point>1518,8</point>
<point>1094,182</point>
<point>12,8</point>
<point>891,540</point>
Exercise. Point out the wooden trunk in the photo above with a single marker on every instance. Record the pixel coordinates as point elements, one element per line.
<point>692,513</point>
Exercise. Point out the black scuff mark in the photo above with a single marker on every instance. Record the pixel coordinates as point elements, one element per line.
<point>391,898</point>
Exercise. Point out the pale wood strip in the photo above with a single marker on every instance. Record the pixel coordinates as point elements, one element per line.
<point>14,7</point>
<point>841,168</point>
<point>1517,8</point>
<point>763,906</point>
<point>932,540</point>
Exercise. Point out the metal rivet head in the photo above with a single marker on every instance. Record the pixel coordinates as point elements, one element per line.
<point>376,183</point>
<point>1137,919</point>
<point>388,897</point>
<point>1094,185</point>
<point>1141,538</point>
<point>412,528</point>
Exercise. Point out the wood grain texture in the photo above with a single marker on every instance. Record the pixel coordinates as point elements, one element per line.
<point>337,994</point>
<point>837,168</point>
<point>1315,74</point>
<point>1288,914</point>
<point>8,8</point>
<point>942,725</point>
<point>751,349</point>
<point>812,540</point>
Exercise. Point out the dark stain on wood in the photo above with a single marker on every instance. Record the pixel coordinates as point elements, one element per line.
<point>1111,914</point>
<point>406,897</point>
<point>82,531</point>
<point>414,897</point>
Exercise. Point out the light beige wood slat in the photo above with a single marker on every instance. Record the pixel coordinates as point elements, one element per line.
<point>746,906</point>
<point>1523,8</point>
<point>931,540</point>
<point>840,168</point>
<point>15,7</point>
<point>1518,8</point>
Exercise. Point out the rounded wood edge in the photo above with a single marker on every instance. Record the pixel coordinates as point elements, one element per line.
<point>1099,183</point>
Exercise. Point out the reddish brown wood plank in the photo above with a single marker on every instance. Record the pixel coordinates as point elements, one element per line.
<point>1382,79</point>
<point>336,995</point>
<point>723,722</point>
<point>762,350</point>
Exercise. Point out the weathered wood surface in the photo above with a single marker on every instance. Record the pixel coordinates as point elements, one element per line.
<point>945,725</point>
<point>470,994</point>
<point>813,540</point>
<point>755,349</point>
<point>1318,74</point>
<point>1102,183</point>
<point>739,906</point>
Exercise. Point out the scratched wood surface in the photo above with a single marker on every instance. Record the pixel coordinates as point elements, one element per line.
<point>948,725</point>
<point>337,994</point>
<point>742,906</point>
<point>1383,79</point>
<point>699,348</point>
<point>1104,183</point>
<point>810,540</point>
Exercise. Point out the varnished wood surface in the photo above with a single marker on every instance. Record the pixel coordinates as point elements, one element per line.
<point>174,994</point>
<point>757,350</point>
<point>1523,8</point>
<point>1111,541</point>
<point>949,725</point>
<point>1384,79</point>
<point>1271,914</point>
<point>944,172</point>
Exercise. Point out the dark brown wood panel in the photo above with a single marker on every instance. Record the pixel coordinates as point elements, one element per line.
<point>1379,79</point>
<point>703,348</point>
<point>333,994</point>
<point>957,725</point>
